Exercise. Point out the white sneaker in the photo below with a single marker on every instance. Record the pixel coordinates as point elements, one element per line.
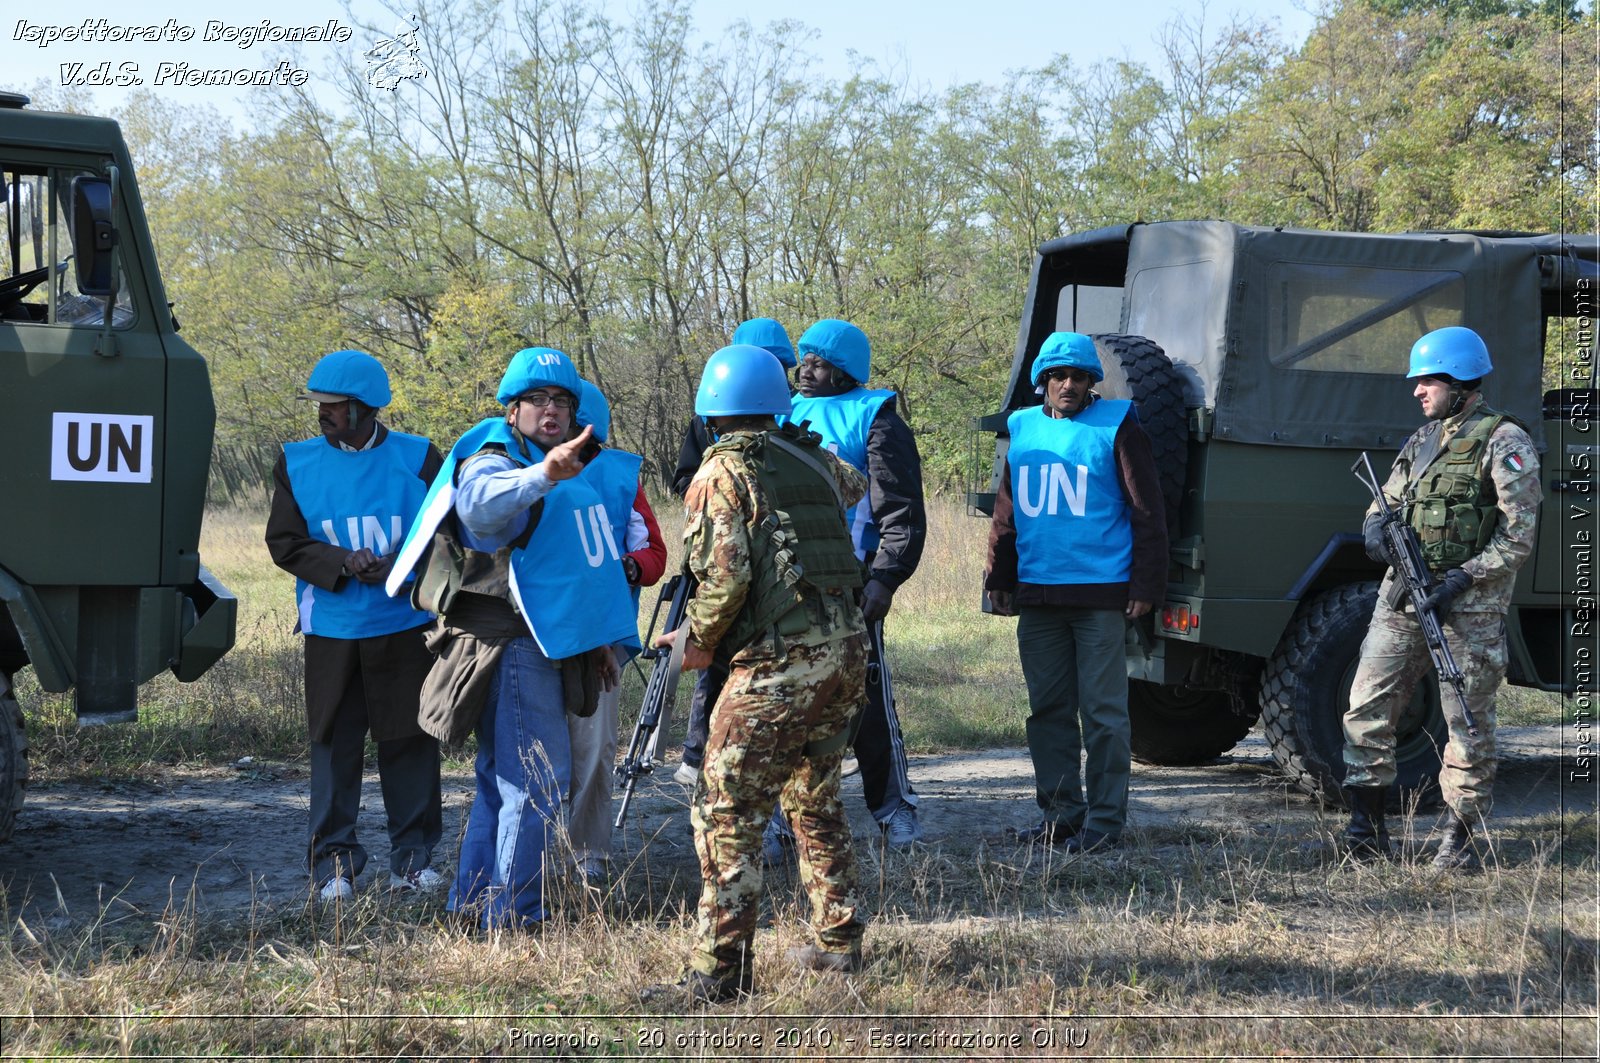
<point>848,767</point>
<point>777,841</point>
<point>686,774</point>
<point>902,827</point>
<point>423,880</point>
<point>335,890</point>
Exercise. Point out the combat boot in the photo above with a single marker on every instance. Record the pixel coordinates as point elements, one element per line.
<point>1456,851</point>
<point>1367,836</point>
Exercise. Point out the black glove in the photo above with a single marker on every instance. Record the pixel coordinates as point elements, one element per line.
<point>1377,547</point>
<point>1443,595</point>
<point>876,598</point>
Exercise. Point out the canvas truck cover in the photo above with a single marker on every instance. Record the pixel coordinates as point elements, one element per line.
<point>1287,334</point>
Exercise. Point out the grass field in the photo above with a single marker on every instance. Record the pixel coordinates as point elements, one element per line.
<point>1189,943</point>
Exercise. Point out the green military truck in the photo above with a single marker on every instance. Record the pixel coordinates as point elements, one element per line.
<point>1263,361</point>
<point>106,421</point>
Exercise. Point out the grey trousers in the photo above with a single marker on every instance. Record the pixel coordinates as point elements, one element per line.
<point>594,759</point>
<point>1072,660</point>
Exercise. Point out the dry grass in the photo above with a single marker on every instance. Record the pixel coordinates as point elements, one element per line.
<point>1190,943</point>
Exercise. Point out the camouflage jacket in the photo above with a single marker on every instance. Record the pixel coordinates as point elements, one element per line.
<point>1511,465</point>
<point>723,505</point>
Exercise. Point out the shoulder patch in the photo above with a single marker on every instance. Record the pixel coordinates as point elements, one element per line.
<point>1514,462</point>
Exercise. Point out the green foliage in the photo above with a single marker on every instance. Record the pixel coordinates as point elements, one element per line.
<point>617,191</point>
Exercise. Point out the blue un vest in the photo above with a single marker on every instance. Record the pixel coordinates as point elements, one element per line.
<point>355,499</point>
<point>843,422</point>
<point>566,584</point>
<point>1071,517</point>
<point>614,474</point>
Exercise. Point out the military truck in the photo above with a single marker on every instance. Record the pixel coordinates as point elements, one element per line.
<point>1263,361</point>
<point>106,421</point>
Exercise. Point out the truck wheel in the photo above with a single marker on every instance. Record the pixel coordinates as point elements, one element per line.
<point>1140,370</point>
<point>1305,691</point>
<point>13,758</point>
<point>1179,727</point>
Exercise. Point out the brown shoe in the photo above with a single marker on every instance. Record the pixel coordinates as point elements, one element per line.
<point>696,990</point>
<point>813,958</point>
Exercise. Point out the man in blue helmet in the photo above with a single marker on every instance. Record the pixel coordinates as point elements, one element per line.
<point>889,527</point>
<point>1077,547</point>
<point>1467,482</point>
<point>770,336</point>
<point>542,584</point>
<point>614,475</point>
<point>341,504</point>
<point>765,537</point>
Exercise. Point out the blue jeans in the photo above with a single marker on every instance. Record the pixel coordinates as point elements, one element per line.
<point>524,766</point>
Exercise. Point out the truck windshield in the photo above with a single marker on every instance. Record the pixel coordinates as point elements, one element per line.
<point>37,282</point>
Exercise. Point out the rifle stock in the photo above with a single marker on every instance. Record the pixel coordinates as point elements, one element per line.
<point>658,691</point>
<point>1413,574</point>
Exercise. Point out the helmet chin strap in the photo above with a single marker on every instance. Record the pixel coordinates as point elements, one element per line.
<point>1457,397</point>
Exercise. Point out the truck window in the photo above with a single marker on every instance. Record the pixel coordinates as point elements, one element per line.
<point>1089,308</point>
<point>1338,319</point>
<point>38,284</point>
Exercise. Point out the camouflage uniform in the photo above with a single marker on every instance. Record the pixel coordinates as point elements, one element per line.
<point>782,693</point>
<point>1394,657</point>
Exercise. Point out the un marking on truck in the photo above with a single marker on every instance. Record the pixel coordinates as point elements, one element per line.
<point>101,447</point>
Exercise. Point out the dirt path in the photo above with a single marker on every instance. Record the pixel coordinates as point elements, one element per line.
<point>226,840</point>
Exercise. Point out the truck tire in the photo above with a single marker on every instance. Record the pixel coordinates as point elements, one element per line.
<point>1178,727</point>
<point>1137,369</point>
<point>13,758</point>
<point>1305,691</point>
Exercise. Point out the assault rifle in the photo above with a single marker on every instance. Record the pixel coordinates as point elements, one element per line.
<point>658,692</point>
<point>1406,554</point>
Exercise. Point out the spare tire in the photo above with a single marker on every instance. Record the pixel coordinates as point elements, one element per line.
<point>1139,370</point>
<point>1305,690</point>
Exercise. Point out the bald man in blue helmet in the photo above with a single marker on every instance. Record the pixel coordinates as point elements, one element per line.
<point>340,505</point>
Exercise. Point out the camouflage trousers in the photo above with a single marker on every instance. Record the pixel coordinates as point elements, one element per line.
<point>1394,659</point>
<point>771,707</point>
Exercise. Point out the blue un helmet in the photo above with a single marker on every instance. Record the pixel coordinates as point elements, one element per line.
<point>348,375</point>
<point>1069,350</point>
<point>842,344</point>
<point>742,379</point>
<point>1456,352</point>
<point>593,409</point>
<point>537,367</point>
<point>770,336</point>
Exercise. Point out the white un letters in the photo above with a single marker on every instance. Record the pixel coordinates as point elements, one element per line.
<point>366,532</point>
<point>600,531</point>
<point>1053,485</point>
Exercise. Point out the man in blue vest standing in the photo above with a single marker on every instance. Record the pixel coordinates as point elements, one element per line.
<point>341,506</point>
<point>1077,546</point>
<point>888,527</point>
<point>543,584</point>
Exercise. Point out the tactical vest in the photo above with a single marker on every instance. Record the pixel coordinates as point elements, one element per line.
<point>800,546</point>
<point>1451,506</point>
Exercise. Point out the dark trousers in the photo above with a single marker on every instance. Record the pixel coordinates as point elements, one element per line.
<point>1072,660</point>
<point>408,773</point>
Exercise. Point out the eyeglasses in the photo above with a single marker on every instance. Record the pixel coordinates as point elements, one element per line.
<point>541,399</point>
<point>1065,374</point>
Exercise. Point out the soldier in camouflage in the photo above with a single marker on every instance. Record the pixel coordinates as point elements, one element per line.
<point>765,537</point>
<point>1467,483</point>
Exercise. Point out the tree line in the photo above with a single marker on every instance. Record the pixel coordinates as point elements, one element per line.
<point>623,193</point>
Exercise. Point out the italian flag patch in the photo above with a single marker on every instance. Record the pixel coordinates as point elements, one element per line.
<point>1514,462</point>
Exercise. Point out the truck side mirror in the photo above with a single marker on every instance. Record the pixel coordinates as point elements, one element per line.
<point>93,234</point>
